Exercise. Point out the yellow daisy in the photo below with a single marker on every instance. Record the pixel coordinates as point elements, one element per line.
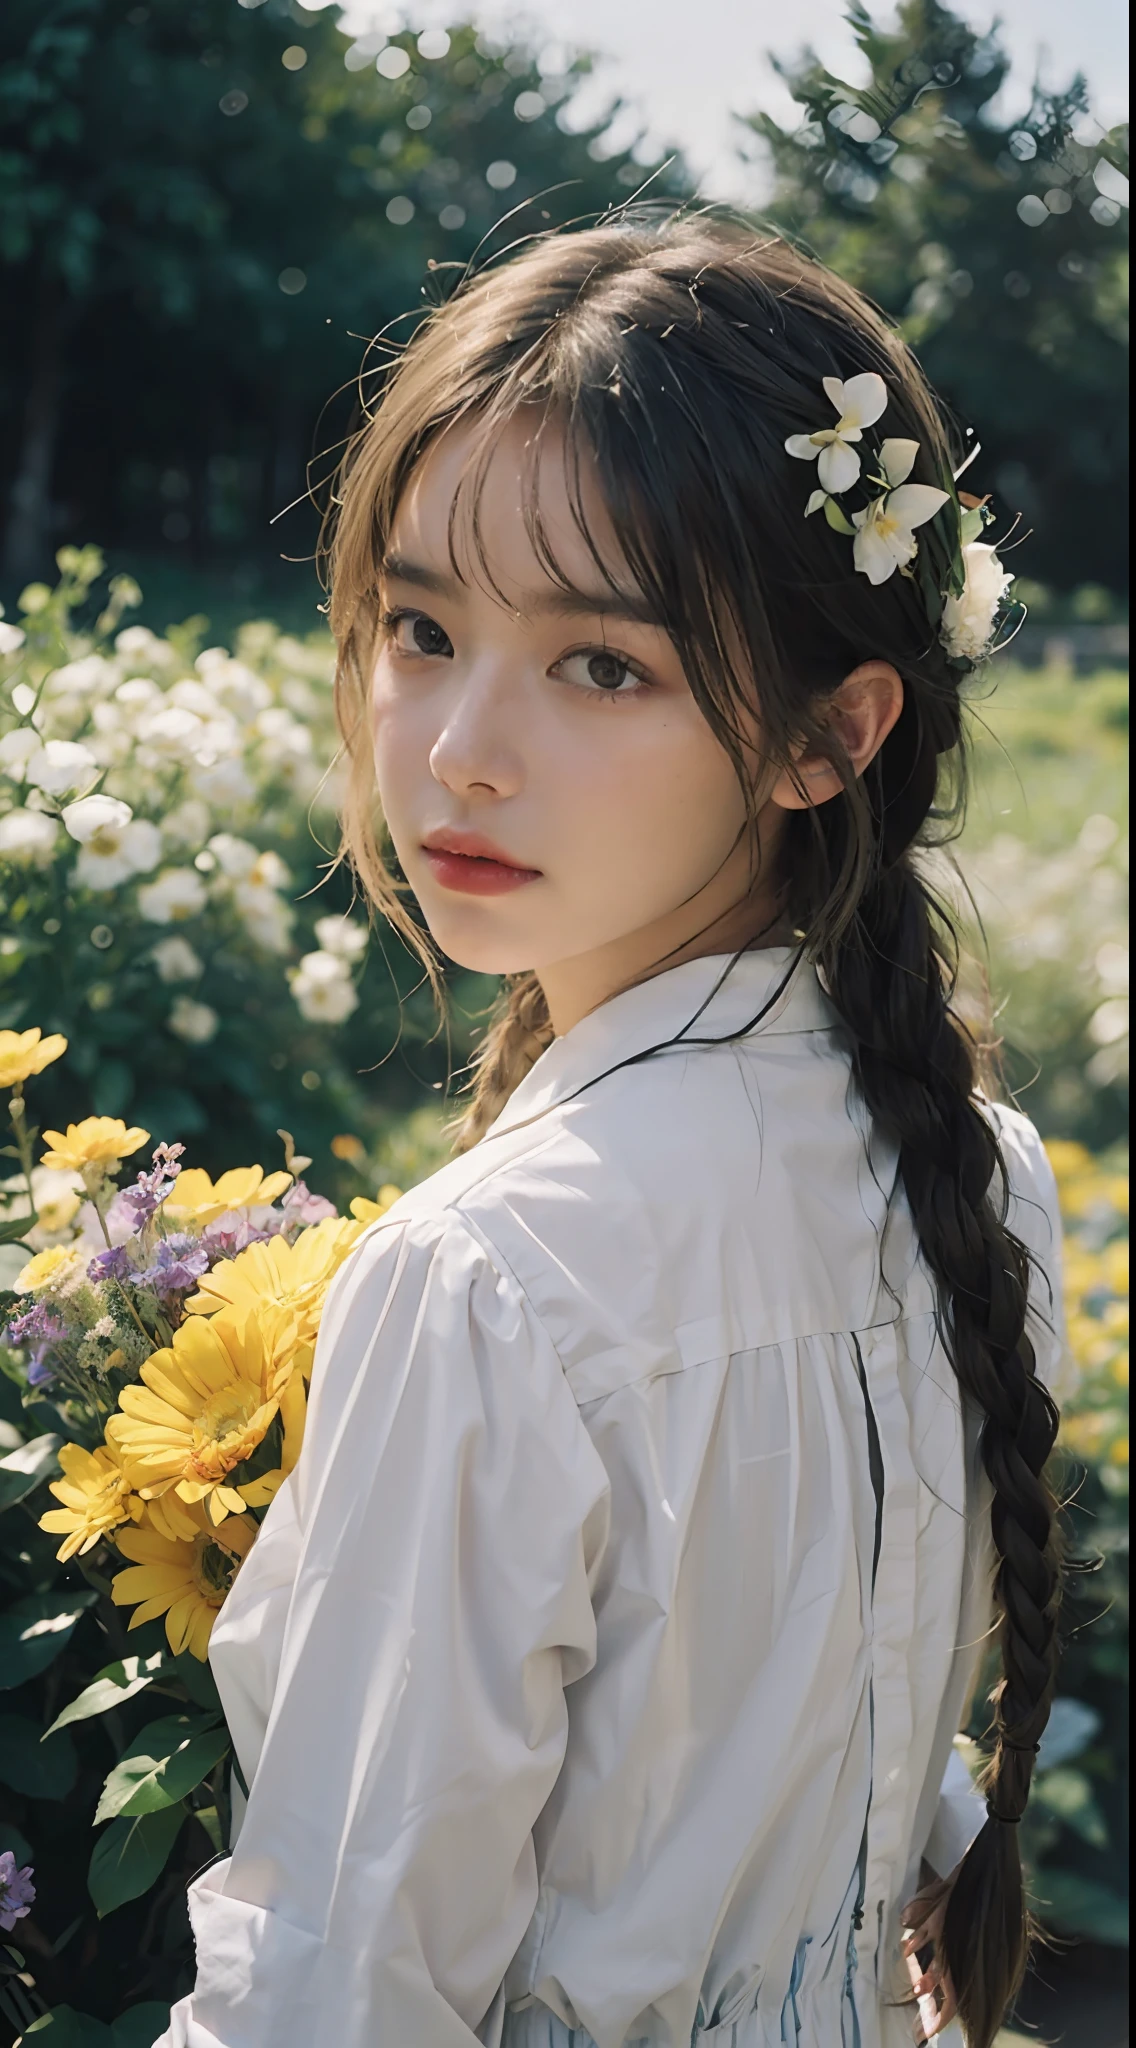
<point>96,1498</point>
<point>291,1277</point>
<point>206,1403</point>
<point>369,1212</point>
<point>97,1141</point>
<point>185,1577</point>
<point>24,1053</point>
<point>197,1199</point>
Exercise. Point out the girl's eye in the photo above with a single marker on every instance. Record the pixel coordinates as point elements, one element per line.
<point>602,671</point>
<point>415,634</point>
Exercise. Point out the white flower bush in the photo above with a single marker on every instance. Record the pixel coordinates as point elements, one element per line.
<point>147,793</point>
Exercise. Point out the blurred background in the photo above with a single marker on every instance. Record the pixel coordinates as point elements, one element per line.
<point>207,208</point>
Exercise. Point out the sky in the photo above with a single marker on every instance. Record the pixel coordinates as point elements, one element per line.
<point>685,69</point>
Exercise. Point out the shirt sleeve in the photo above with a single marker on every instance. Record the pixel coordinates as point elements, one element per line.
<point>451,1512</point>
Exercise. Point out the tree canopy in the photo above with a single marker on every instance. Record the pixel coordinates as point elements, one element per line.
<point>206,206</point>
<point>1000,248</point>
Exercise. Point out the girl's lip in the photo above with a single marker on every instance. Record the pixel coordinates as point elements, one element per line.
<point>473,866</point>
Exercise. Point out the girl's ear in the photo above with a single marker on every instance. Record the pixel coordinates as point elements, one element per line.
<point>861,713</point>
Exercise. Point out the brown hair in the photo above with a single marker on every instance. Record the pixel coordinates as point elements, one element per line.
<point>677,356</point>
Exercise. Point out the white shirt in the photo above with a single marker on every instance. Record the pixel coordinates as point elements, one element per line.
<point>598,1668</point>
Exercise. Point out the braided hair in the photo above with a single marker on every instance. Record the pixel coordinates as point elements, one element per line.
<point>676,356</point>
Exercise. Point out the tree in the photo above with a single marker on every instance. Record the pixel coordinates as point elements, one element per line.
<point>203,208</point>
<point>1001,251</point>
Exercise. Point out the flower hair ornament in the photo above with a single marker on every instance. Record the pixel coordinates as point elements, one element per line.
<point>966,598</point>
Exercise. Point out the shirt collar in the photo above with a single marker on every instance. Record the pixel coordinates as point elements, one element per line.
<point>706,999</point>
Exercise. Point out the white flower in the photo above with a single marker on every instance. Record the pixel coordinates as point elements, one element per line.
<point>137,692</point>
<point>61,765</point>
<point>81,678</point>
<point>16,750</point>
<point>859,404</point>
<point>266,919</point>
<point>235,857</point>
<point>176,960</point>
<point>137,642</point>
<point>177,893</point>
<point>885,529</point>
<point>92,814</point>
<point>193,696</point>
<point>174,731</point>
<point>342,936</point>
<point>188,823</point>
<point>11,637</point>
<point>323,989</point>
<point>968,620</point>
<point>195,1022</point>
<point>114,852</point>
<point>27,835</point>
<point>239,687</point>
<point>226,784</point>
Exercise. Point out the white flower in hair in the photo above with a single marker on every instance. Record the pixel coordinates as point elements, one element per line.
<point>968,620</point>
<point>859,402</point>
<point>885,529</point>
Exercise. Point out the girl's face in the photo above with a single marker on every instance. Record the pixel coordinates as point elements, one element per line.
<point>554,795</point>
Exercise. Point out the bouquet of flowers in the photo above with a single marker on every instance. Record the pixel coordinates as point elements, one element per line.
<point>169,1326</point>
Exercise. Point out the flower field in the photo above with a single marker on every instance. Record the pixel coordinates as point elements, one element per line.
<point>166,980</point>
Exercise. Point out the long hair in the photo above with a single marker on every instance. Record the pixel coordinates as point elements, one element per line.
<point>675,357</point>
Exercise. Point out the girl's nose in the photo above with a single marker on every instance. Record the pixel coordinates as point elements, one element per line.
<point>475,750</point>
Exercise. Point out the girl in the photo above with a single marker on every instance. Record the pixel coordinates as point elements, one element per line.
<point>596,1674</point>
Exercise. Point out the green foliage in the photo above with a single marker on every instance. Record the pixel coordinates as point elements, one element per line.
<point>201,234</point>
<point>998,250</point>
<point>1045,866</point>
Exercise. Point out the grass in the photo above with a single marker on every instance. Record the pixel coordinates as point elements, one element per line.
<point>1050,750</point>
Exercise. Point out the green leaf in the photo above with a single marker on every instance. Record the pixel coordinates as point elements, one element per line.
<point>28,1767</point>
<point>131,1854</point>
<point>26,1468</point>
<point>109,1688</point>
<point>35,1630</point>
<point>164,1762</point>
<point>140,2025</point>
<point>837,518</point>
<point>1075,1905</point>
<point>1069,1794</point>
<point>198,1681</point>
<point>211,1821</point>
<point>11,1838</point>
<point>65,2028</point>
<point>12,1229</point>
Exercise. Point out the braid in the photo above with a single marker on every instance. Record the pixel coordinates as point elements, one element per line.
<point>889,976</point>
<point>518,1034</point>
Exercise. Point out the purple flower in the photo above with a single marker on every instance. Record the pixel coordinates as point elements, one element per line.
<point>150,1190</point>
<point>17,1892</point>
<point>301,1206</point>
<point>179,1261</point>
<point>37,1330</point>
<point>115,1263</point>
<point>232,1234</point>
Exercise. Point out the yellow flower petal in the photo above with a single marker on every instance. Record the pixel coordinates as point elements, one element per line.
<point>97,1141</point>
<point>24,1053</point>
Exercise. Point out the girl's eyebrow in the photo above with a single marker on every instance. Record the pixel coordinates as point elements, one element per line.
<point>550,602</point>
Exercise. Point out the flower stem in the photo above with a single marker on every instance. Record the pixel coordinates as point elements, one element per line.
<point>18,1113</point>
